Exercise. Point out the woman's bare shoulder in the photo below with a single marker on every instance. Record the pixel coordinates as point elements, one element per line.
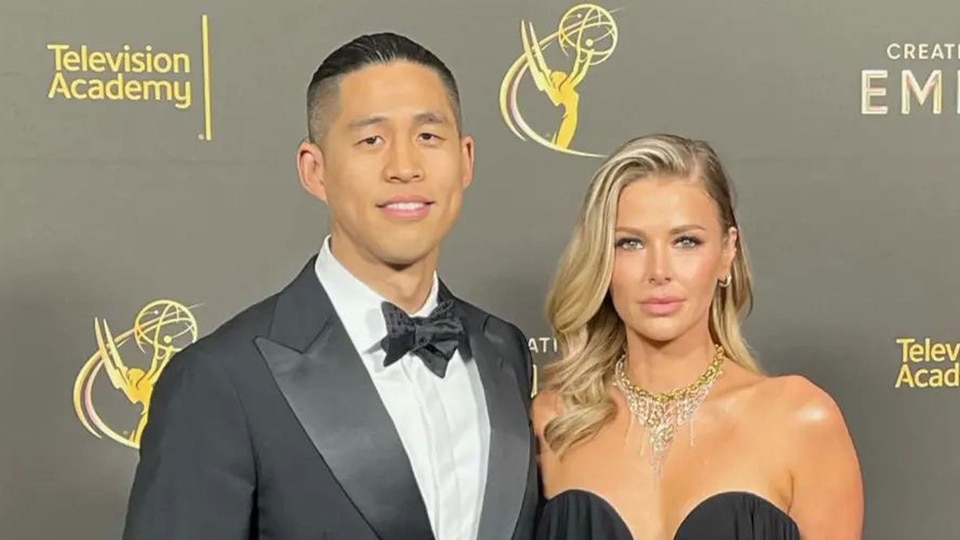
<point>801,407</point>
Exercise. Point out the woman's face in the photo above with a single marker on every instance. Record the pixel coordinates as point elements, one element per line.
<point>671,251</point>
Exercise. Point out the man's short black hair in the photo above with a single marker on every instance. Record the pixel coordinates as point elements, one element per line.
<point>380,48</point>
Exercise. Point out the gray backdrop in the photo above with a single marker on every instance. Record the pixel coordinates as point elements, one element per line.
<point>108,205</point>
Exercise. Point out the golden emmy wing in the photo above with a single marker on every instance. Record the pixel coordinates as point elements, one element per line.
<point>116,370</point>
<point>536,63</point>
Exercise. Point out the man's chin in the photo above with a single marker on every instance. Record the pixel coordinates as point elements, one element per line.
<point>405,258</point>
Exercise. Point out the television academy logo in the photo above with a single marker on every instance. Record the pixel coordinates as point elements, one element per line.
<point>129,73</point>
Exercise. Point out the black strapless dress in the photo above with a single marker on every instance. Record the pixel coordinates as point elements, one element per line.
<point>580,515</point>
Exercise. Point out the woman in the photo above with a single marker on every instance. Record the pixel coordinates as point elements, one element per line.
<point>656,423</point>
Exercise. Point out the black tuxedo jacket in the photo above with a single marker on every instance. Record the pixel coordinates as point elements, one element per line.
<point>270,428</point>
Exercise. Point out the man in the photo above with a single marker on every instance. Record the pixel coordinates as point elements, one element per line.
<point>364,400</point>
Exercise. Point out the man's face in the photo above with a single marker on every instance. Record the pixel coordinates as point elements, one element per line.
<point>393,165</point>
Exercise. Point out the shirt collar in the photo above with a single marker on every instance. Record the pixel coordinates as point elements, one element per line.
<point>356,304</point>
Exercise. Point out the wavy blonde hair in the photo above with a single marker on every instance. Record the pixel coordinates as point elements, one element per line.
<point>589,332</point>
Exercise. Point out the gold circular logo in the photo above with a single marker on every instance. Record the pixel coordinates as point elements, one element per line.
<point>161,329</point>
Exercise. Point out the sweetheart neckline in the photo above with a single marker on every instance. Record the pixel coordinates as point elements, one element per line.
<point>686,518</point>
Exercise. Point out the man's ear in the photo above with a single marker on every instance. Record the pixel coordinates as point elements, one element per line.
<point>466,170</point>
<point>310,166</point>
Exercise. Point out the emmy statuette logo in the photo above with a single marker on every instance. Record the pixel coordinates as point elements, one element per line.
<point>587,36</point>
<point>160,329</point>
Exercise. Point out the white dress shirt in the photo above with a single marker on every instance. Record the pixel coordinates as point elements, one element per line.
<point>442,423</point>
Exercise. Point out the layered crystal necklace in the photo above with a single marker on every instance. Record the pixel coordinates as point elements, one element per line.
<point>663,413</point>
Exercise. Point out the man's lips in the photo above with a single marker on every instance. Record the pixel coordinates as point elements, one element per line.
<point>407,206</point>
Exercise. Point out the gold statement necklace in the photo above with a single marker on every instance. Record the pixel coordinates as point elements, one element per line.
<point>662,413</point>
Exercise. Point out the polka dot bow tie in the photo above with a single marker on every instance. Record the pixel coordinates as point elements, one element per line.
<point>433,339</point>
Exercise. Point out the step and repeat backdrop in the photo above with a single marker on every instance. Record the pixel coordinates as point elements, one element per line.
<point>148,192</point>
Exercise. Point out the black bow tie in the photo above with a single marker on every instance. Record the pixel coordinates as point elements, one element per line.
<point>433,338</point>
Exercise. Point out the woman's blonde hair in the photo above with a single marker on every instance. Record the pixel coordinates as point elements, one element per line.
<point>589,332</point>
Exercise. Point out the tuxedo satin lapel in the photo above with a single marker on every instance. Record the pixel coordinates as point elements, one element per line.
<point>336,402</point>
<point>509,457</point>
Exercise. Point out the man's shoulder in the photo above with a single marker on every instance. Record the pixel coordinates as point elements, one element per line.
<point>509,339</point>
<point>491,323</point>
<point>237,334</point>
<point>503,333</point>
<point>252,321</point>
